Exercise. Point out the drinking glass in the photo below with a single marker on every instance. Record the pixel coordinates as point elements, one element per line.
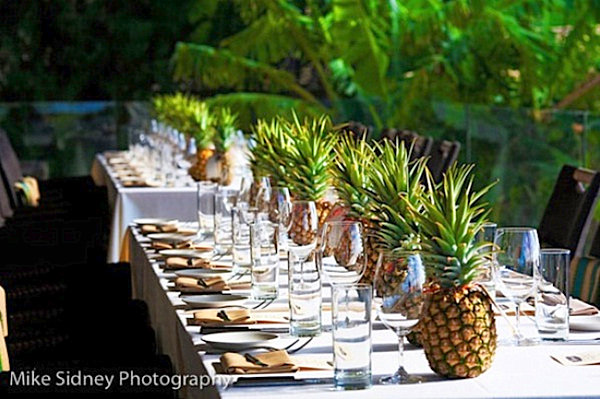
<point>265,260</point>
<point>552,299</point>
<point>263,193</point>
<point>275,209</point>
<point>301,223</point>
<point>486,277</point>
<point>517,268</point>
<point>398,298</point>
<point>341,256</point>
<point>225,199</point>
<point>351,308</point>
<point>243,217</point>
<point>206,208</point>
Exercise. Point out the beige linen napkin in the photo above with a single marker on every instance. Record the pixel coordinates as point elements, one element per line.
<point>580,308</point>
<point>190,284</point>
<point>270,362</point>
<point>222,317</point>
<point>168,245</point>
<point>152,228</point>
<point>175,262</point>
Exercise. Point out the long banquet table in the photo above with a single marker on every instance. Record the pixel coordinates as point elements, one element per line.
<point>129,203</point>
<point>517,372</point>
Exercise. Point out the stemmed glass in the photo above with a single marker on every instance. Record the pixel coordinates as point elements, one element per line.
<point>341,255</point>
<point>274,209</point>
<point>517,266</point>
<point>398,298</point>
<point>304,279</point>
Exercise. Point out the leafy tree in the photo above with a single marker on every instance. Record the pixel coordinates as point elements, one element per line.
<point>386,61</point>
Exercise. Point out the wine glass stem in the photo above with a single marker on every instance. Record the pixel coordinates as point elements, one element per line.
<point>401,371</point>
<point>518,319</point>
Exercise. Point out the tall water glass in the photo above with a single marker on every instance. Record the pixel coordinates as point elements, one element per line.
<point>206,208</point>
<point>517,269</point>
<point>225,200</point>
<point>265,260</point>
<point>351,305</point>
<point>243,217</point>
<point>552,298</point>
<point>304,281</point>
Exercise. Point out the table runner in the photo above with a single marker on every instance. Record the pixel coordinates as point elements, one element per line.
<point>517,372</point>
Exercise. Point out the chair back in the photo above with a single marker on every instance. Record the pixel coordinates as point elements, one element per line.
<point>4,362</point>
<point>421,145</point>
<point>584,279</point>
<point>6,208</point>
<point>442,155</point>
<point>595,248</point>
<point>10,168</point>
<point>568,214</point>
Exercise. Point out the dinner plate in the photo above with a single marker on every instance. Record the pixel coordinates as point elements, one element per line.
<point>214,300</point>
<point>201,273</point>
<point>169,237</point>
<point>585,323</point>
<point>187,253</point>
<point>154,221</point>
<point>237,340</point>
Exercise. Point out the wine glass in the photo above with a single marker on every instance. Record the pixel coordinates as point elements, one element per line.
<point>341,256</point>
<point>517,268</point>
<point>301,222</point>
<point>398,297</point>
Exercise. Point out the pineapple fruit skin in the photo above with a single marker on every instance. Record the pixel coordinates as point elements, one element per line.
<point>198,170</point>
<point>458,332</point>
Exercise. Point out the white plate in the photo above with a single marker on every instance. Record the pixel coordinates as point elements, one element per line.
<point>169,237</point>
<point>154,221</point>
<point>201,273</point>
<point>187,253</point>
<point>214,301</point>
<point>585,323</point>
<point>237,340</point>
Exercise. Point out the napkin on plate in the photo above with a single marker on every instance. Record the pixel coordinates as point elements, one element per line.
<point>170,245</point>
<point>209,284</point>
<point>270,362</point>
<point>152,228</point>
<point>223,317</point>
<point>175,262</point>
<point>581,308</point>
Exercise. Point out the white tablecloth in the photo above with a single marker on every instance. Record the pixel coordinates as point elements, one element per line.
<point>129,203</point>
<point>517,372</point>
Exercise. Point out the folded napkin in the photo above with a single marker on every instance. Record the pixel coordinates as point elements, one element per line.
<point>175,262</point>
<point>270,362</point>
<point>231,316</point>
<point>187,231</point>
<point>580,308</point>
<point>170,245</point>
<point>210,284</point>
<point>152,228</point>
<point>220,317</point>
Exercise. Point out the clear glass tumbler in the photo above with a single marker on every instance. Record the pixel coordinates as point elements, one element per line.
<point>552,298</point>
<point>206,208</point>
<point>352,336</point>
<point>225,200</point>
<point>265,260</point>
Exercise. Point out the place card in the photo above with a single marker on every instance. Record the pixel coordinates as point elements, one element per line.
<point>578,359</point>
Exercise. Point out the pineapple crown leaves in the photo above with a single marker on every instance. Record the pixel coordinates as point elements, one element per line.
<point>310,157</point>
<point>395,183</point>
<point>353,159</point>
<point>270,141</point>
<point>450,218</point>
<point>225,128</point>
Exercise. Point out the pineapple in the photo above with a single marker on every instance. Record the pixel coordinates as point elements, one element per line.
<point>458,329</point>
<point>270,141</point>
<point>308,162</point>
<point>354,158</point>
<point>225,128</point>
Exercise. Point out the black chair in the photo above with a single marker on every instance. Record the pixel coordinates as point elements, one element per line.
<point>421,145</point>
<point>569,211</point>
<point>442,155</point>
